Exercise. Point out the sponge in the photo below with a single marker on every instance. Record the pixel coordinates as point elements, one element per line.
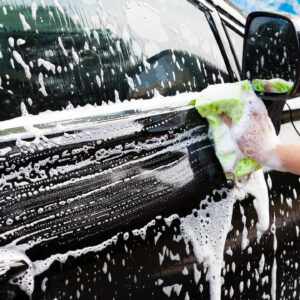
<point>275,85</point>
<point>231,99</point>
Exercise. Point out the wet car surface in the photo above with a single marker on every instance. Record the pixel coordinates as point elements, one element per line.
<point>94,202</point>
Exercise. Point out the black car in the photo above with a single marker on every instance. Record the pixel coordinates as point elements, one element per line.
<point>110,189</point>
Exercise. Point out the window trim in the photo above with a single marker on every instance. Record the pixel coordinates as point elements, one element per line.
<point>215,20</point>
<point>225,25</point>
<point>215,30</point>
<point>219,40</point>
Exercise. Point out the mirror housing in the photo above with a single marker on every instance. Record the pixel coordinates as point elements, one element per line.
<point>272,50</point>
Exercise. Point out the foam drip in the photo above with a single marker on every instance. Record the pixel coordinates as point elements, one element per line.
<point>26,280</point>
<point>207,227</point>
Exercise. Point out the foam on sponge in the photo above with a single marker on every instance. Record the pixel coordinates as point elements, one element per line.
<point>275,85</point>
<point>234,100</point>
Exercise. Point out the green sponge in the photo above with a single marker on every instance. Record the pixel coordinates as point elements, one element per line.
<point>275,85</point>
<point>228,99</point>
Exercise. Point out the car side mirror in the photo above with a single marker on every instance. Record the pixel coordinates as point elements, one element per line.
<point>272,50</point>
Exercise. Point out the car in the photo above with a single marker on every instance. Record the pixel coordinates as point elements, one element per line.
<point>109,183</point>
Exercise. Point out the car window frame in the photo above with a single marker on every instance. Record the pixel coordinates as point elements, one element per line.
<point>225,25</point>
<point>215,30</point>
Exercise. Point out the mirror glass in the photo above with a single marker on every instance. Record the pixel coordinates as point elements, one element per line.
<point>271,49</point>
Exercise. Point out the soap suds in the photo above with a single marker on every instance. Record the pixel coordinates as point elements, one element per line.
<point>17,56</point>
<point>139,107</point>
<point>251,133</point>
<point>26,279</point>
<point>47,65</point>
<point>58,7</point>
<point>274,266</point>
<point>11,42</point>
<point>21,42</point>
<point>33,9</point>
<point>245,240</point>
<point>255,132</point>
<point>26,26</point>
<point>75,56</point>
<point>42,88</point>
<point>62,47</point>
<point>207,227</point>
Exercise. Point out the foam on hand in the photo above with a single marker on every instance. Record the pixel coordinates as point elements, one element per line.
<point>251,131</point>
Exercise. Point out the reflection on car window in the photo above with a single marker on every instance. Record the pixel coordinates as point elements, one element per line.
<point>237,42</point>
<point>70,53</point>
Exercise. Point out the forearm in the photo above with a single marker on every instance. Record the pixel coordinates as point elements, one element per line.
<point>289,156</point>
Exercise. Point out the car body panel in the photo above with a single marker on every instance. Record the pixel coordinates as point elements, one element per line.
<point>87,191</point>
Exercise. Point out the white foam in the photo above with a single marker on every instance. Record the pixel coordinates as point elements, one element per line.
<point>26,26</point>
<point>42,88</point>
<point>274,266</point>
<point>17,56</point>
<point>58,6</point>
<point>141,106</point>
<point>21,42</point>
<point>253,134</point>
<point>208,226</point>
<point>261,264</point>
<point>98,80</point>
<point>206,229</point>
<point>11,42</point>
<point>26,280</point>
<point>245,240</point>
<point>4,151</point>
<point>47,65</point>
<point>175,287</point>
<point>33,9</point>
<point>62,47</point>
<point>75,56</point>
<point>257,187</point>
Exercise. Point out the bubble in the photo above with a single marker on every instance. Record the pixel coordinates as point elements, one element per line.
<point>9,221</point>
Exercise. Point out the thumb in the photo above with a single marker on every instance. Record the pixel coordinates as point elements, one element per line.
<point>227,120</point>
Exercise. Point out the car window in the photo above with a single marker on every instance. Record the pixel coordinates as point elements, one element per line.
<point>237,42</point>
<point>55,57</point>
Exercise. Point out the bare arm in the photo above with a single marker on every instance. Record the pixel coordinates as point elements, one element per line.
<point>289,155</point>
<point>259,141</point>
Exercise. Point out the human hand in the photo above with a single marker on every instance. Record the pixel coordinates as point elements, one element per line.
<point>255,136</point>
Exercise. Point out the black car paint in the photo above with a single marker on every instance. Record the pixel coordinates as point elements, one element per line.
<point>133,264</point>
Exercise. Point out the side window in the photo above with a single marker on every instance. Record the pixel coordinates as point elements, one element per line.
<point>237,42</point>
<point>74,53</point>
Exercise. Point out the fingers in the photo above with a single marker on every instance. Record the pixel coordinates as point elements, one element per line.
<point>268,87</point>
<point>227,120</point>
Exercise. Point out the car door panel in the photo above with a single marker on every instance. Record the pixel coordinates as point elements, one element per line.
<point>95,199</point>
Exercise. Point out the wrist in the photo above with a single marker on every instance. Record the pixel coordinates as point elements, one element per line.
<point>272,158</point>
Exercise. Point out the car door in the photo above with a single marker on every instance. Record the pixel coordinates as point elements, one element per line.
<point>78,172</point>
<point>92,192</point>
<point>269,268</point>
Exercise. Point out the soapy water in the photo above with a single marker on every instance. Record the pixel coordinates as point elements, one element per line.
<point>206,229</point>
<point>58,121</point>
